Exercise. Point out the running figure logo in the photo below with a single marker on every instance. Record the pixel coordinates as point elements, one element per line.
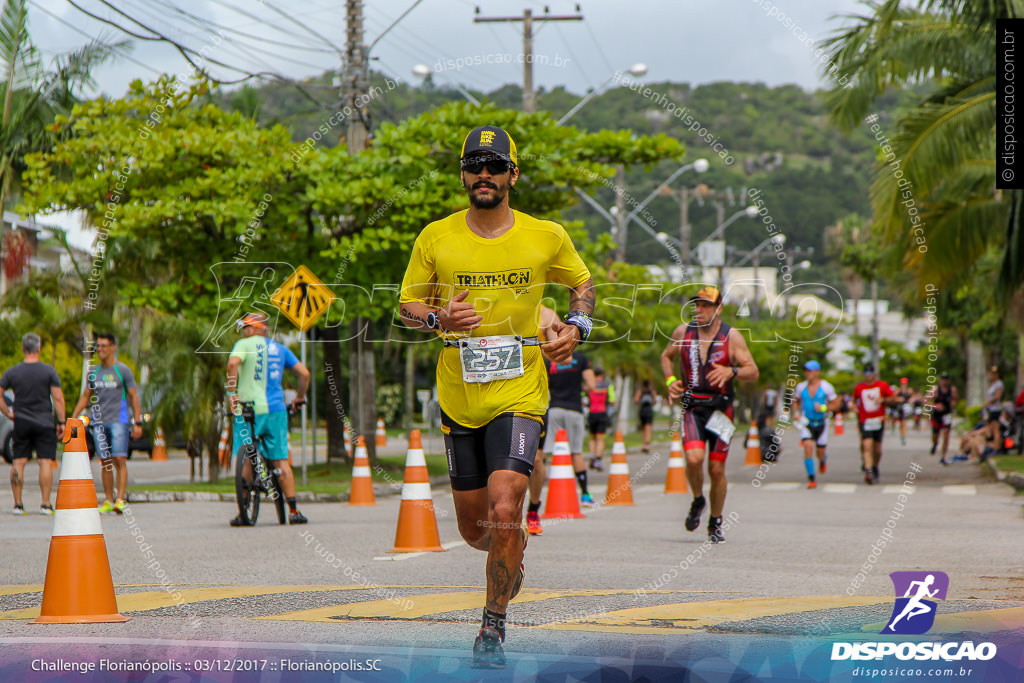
<point>914,612</point>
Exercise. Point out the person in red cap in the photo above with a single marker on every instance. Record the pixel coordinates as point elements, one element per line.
<point>871,397</point>
<point>477,279</point>
<point>711,355</point>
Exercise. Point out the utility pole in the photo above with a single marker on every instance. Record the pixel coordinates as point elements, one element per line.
<point>621,218</point>
<point>529,100</point>
<point>357,81</point>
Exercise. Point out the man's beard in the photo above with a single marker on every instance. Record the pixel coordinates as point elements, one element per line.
<point>478,203</point>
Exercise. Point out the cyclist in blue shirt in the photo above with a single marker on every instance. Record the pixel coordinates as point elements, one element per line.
<point>812,400</point>
<point>255,370</point>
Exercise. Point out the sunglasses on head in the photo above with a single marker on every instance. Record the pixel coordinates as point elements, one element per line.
<point>495,165</point>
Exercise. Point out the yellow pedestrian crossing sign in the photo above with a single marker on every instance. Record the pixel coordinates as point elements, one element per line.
<point>303,298</point>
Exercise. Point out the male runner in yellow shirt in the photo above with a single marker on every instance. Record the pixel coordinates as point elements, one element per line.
<point>477,278</point>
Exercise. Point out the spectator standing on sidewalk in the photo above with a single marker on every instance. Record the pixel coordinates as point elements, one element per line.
<point>37,394</point>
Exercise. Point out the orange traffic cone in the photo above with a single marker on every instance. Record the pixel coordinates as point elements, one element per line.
<point>79,588</point>
<point>675,478</point>
<point>159,446</point>
<point>382,436</point>
<point>620,491</point>
<point>362,485</point>
<point>417,523</point>
<point>839,424</point>
<point>223,453</point>
<point>562,499</point>
<point>348,439</point>
<point>753,448</point>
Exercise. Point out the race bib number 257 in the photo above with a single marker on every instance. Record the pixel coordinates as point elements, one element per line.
<point>486,359</point>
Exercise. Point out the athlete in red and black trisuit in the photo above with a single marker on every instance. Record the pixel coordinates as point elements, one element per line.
<point>712,354</point>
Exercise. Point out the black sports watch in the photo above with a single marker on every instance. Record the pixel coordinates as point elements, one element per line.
<point>433,322</point>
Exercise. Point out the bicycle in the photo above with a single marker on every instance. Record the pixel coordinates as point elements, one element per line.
<point>263,478</point>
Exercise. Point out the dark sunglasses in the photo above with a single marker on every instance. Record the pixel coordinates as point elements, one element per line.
<point>495,165</point>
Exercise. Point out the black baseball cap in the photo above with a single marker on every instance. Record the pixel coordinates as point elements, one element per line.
<point>493,140</point>
<point>869,368</point>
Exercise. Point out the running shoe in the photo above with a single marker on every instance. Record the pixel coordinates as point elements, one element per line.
<point>586,501</point>
<point>812,484</point>
<point>18,510</point>
<point>715,534</point>
<point>533,524</point>
<point>943,461</point>
<point>868,479</point>
<point>487,652</point>
<point>822,467</point>
<point>46,510</point>
<point>119,506</point>
<point>696,508</point>
<point>107,506</point>
<point>595,464</point>
<point>297,518</point>
<point>933,448</point>
<point>237,521</point>
<point>903,441</point>
<point>874,472</point>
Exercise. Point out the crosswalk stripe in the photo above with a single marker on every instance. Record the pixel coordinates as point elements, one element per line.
<point>960,489</point>
<point>839,488</point>
<point>892,488</point>
<point>699,615</point>
<point>424,604</point>
<point>780,486</point>
<point>408,556</point>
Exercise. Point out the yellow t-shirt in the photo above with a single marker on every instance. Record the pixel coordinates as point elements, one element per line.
<point>505,277</point>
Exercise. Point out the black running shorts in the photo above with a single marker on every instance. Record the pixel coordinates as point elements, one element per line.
<point>32,436</point>
<point>508,442</point>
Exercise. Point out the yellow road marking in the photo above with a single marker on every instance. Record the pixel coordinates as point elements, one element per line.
<point>976,621</point>
<point>150,600</point>
<point>416,606</point>
<point>15,590</point>
<point>699,615</point>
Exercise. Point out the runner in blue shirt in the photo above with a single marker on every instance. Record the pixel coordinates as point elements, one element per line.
<point>812,400</point>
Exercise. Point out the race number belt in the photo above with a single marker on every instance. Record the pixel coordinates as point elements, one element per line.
<point>486,359</point>
<point>872,424</point>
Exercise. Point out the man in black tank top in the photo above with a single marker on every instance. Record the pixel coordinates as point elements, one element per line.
<point>941,399</point>
<point>712,354</point>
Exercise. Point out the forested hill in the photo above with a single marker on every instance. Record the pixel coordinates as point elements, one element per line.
<point>777,138</point>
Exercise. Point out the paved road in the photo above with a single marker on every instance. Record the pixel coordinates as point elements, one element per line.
<point>789,569</point>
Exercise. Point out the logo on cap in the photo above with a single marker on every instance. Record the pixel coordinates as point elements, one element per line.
<point>487,137</point>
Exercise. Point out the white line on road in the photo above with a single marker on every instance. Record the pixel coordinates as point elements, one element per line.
<point>892,488</point>
<point>960,489</point>
<point>781,486</point>
<point>840,488</point>
<point>397,557</point>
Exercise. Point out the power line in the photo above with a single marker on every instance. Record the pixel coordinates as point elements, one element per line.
<point>301,25</point>
<point>600,49</point>
<point>394,23</point>
<point>579,64</point>
<point>121,53</point>
<point>262,39</point>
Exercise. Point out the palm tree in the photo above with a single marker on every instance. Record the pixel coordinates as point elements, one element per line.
<point>34,95</point>
<point>944,147</point>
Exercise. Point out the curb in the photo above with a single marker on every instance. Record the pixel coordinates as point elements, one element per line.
<point>383,490</point>
<point>1014,479</point>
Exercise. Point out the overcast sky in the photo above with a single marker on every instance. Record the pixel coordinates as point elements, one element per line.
<point>697,41</point>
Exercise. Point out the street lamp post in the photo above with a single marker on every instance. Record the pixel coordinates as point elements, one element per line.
<point>755,254</point>
<point>637,70</point>
<point>423,72</point>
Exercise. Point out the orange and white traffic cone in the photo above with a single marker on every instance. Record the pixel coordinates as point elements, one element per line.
<point>223,453</point>
<point>361,492</point>
<point>839,424</point>
<point>620,490</point>
<point>417,523</point>
<point>79,588</point>
<point>382,436</point>
<point>348,439</point>
<point>159,446</point>
<point>753,448</point>
<point>675,478</point>
<point>562,500</point>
